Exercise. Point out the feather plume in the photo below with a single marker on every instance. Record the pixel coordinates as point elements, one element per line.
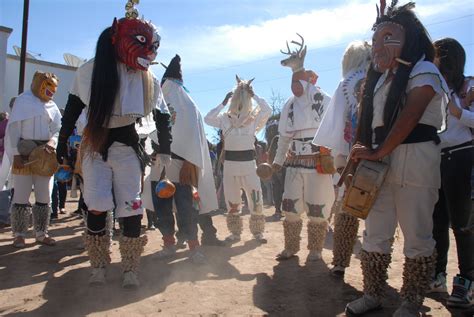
<point>383,4</point>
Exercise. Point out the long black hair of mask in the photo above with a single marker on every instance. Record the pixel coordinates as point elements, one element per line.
<point>173,70</point>
<point>104,87</point>
<point>417,45</point>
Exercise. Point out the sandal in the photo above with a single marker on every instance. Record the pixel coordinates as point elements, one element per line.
<point>46,241</point>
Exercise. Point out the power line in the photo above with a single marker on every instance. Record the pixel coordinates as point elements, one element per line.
<point>310,50</point>
<point>285,77</point>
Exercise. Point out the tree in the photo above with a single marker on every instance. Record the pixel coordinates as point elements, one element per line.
<point>276,102</point>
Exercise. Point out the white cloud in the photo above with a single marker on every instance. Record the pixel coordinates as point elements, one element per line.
<point>207,47</point>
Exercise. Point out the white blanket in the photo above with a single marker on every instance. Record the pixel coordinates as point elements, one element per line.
<point>339,114</point>
<point>189,142</point>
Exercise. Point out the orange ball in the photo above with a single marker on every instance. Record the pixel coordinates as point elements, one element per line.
<point>165,189</point>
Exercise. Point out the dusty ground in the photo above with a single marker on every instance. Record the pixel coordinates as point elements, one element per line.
<point>242,280</point>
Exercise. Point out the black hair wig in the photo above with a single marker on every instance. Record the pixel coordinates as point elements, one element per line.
<point>104,87</point>
<point>417,46</point>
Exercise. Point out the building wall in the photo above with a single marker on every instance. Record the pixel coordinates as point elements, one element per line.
<point>4,34</point>
<point>65,74</point>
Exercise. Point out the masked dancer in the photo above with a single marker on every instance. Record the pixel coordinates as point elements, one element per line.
<point>190,171</point>
<point>402,108</point>
<point>308,179</point>
<point>31,138</point>
<point>239,125</point>
<point>337,132</point>
<point>116,88</point>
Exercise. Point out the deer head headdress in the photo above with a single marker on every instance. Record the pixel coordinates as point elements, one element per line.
<point>295,60</point>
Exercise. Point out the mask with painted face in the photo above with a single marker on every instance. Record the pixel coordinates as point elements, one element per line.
<point>136,41</point>
<point>44,85</point>
<point>387,44</point>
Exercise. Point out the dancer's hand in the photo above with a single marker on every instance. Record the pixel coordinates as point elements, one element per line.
<point>50,146</point>
<point>188,174</point>
<point>227,97</point>
<point>165,160</point>
<point>361,152</point>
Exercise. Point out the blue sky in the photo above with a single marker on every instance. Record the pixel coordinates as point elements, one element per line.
<point>218,39</point>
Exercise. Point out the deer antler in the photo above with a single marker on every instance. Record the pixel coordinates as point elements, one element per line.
<point>296,59</point>
<point>288,47</point>
<point>297,51</point>
<point>301,45</point>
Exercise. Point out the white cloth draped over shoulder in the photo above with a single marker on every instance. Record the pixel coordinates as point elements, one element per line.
<point>340,112</point>
<point>189,142</point>
<point>138,94</point>
<point>27,107</point>
<point>304,112</point>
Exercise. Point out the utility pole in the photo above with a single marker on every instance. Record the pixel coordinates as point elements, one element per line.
<point>24,35</point>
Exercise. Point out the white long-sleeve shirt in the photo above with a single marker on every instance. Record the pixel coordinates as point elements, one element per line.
<point>239,138</point>
<point>458,130</point>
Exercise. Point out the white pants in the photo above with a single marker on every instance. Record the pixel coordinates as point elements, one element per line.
<point>250,184</point>
<point>307,191</point>
<point>407,197</point>
<point>43,187</point>
<point>115,183</point>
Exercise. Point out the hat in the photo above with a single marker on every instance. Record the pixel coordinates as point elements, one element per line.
<point>173,70</point>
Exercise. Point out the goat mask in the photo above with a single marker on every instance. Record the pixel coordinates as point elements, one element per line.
<point>44,85</point>
<point>241,102</point>
<point>136,42</point>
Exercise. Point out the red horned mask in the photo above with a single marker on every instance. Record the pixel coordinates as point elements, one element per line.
<point>136,42</point>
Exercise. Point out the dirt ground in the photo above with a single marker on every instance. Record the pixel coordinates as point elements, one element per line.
<point>244,279</point>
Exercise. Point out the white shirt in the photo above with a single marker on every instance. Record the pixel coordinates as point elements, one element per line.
<point>239,138</point>
<point>423,74</point>
<point>458,130</point>
<point>304,112</point>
